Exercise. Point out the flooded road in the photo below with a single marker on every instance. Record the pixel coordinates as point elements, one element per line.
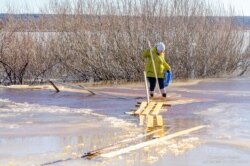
<point>41,126</point>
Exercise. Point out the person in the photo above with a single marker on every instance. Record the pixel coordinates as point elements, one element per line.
<point>161,66</point>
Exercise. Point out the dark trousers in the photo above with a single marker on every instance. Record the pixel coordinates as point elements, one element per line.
<point>152,83</point>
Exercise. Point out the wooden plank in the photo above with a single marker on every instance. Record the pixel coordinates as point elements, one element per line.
<point>54,86</point>
<point>149,143</point>
<point>95,153</point>
<point>150,121</point>
<point>165,103</point>
<point>90,91</point>
<point>132,111</point>
<point>141,108</point>
<point>150,106</point>
<point>157,108</point>
<point>159,134</point>
<point>159,120</point>
<point>118,144</point>
<point>142,118</point>
<point>164,99</point>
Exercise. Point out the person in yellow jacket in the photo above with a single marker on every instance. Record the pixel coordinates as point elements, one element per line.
<point>161,66</point>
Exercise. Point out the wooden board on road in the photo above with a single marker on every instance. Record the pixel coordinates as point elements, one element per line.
<point>141,107</point>
<point>149,108</point>
<point>157,108</point>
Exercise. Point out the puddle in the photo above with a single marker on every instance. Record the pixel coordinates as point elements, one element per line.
<point>39,126</point>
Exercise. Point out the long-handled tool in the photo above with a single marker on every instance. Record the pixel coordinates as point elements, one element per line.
<point>146,86</point>
<point>153,62</point>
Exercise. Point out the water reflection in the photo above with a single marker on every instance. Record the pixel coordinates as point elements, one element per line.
<point>42,132</point>
<point>153,124</point>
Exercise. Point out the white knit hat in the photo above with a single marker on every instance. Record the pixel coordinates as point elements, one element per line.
<point>160,47</point>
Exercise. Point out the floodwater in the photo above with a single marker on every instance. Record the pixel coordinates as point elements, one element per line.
<point>39,126</point>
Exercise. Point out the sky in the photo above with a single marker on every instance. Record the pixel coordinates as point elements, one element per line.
<point>241,6</point>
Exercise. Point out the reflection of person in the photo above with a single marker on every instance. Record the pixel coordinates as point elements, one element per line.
<point>161,66</point>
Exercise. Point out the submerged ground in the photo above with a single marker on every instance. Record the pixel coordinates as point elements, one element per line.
<point>39,126</point>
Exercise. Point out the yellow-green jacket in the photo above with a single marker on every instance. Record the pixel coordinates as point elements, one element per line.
<point>160,63</point>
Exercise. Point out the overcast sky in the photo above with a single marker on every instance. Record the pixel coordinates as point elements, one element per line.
<point>241,6</point>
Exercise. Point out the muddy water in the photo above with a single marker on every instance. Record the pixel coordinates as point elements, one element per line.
<point>40,126</point>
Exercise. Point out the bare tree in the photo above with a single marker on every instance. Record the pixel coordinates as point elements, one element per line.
<point>102,40</point>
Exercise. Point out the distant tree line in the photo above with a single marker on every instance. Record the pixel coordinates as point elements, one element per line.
<point>92,40</point>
